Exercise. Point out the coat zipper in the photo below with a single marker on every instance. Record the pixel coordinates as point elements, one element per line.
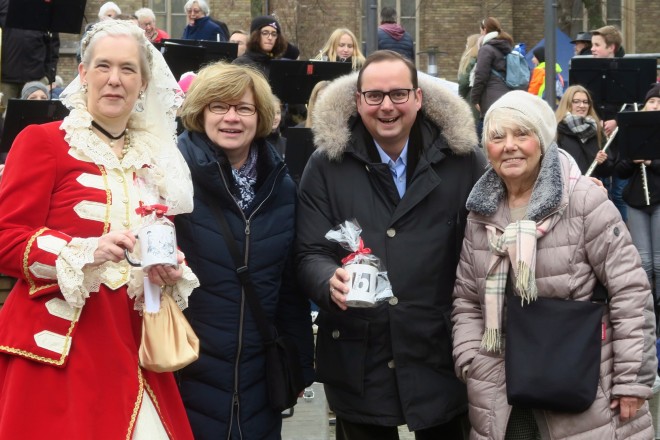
<point>236,406</point>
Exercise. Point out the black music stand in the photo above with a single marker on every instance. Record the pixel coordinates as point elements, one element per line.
<point>191,55</point>
<point>24,112</point>
<point>299,148</point>
<point>639,135</point>
<point>293,81</point>
<point>613,82</point>
<point>63,16</point>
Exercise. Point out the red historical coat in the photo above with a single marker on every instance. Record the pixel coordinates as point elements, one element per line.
<point>71,372</point>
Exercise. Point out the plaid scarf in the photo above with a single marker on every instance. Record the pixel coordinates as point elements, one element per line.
<point>584,127</point>
<point>517,244</point>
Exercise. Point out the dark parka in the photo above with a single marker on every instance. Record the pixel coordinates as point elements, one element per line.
<point>584,153</point>
<point>27,55</point>
<point>225,389</point>
<point>488,87</point>
<point>391,364</point>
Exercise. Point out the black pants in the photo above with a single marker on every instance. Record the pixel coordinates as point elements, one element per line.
<point>453,430</point>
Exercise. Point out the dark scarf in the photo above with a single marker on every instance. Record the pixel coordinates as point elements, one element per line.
<point>245,180</point>
<point>584,127</point>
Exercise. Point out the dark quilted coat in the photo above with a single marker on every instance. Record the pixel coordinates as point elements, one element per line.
<point>225,390</point>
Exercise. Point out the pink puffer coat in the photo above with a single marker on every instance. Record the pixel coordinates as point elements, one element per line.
<point>590,241</point>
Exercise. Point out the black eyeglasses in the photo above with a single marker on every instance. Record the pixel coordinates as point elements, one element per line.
<point>268,34</point>
<point>397,96</point>
<point>241,109</point>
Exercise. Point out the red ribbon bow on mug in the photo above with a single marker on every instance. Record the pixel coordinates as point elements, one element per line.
<point>145,210</point>
<point>361,250</point>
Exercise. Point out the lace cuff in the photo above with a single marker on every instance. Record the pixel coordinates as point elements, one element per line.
<point>76,281</point>
<point>180,292</point>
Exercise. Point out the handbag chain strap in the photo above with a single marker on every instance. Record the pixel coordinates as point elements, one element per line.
<point>267,330</point>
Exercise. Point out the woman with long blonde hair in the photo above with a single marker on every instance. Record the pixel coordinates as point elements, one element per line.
<point>466,70</point>
<point>342,46</point>
<point>579,131</point>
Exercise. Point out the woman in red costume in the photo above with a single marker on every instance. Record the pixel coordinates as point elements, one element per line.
<point>71,327</point>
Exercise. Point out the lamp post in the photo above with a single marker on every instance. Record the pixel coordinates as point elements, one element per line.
<point>432,53</point>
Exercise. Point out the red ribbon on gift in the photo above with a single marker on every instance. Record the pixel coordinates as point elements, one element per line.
<point>145,210</point>
<point>360,251</point>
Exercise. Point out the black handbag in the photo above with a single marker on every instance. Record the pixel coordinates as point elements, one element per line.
<point>552,352</point>
<point>284,374</point>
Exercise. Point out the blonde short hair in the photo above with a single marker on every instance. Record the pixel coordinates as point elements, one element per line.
<point>228,82</point>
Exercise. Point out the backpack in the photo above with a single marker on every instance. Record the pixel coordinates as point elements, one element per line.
<point>517,71</point>
<point>559,86</point>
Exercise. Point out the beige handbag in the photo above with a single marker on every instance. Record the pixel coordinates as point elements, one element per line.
<point>168,341</point>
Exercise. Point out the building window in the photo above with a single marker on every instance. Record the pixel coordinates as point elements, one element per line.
<point>406,12</point>
<point>170,16</point>
<point>619,13</point>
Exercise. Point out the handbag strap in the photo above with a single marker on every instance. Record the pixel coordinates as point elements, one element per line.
<point>267,330</point>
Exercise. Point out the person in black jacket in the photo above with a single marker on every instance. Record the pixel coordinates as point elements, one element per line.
<point>494,46</point>
<point>643,214</point>
<point>582,43</point>
<point>404,175</point>
<point>227,113</point>
<point>27,55</point>
<point>392,36</point>
<point>265,43</point>
<point>580,133</point>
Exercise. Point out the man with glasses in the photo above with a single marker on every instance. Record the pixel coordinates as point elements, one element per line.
<point>399,156</point>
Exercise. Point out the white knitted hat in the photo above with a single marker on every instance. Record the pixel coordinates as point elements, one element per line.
<point>533,108</point>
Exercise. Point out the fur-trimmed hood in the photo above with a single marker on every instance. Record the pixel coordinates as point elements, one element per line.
<point>337,105</point>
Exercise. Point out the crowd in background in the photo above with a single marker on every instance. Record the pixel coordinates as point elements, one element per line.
<point>470,201</point>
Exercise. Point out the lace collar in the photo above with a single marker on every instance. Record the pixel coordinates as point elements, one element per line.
<point>80,137</point>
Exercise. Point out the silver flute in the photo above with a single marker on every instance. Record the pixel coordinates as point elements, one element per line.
<point>645,184</point>
<point>594,164</point>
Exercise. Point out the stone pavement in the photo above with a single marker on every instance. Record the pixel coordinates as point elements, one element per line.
<point>310,419</point>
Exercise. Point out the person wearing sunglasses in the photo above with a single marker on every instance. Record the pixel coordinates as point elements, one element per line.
<point>265,43</point>
<point>399,154</point>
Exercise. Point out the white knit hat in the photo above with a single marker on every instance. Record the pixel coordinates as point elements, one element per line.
<point>533,108</point>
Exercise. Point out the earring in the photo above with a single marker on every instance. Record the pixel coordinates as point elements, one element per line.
<point>84,87</point>
<point>139,105</point>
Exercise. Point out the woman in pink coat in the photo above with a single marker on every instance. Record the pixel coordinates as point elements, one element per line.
<point>577,238</point>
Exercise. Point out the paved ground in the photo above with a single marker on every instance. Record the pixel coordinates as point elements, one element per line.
<point>310,420</point>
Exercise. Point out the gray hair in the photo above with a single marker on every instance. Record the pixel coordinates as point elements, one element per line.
<point>501,119</point>
<point>117,28</point>
<point>145,13</point>
<point>201,3</point>
<point>106,7</point>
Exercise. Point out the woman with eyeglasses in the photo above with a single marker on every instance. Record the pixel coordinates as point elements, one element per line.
<point>200,25</point>
<point>265,43</point>
<point>580,133</point>
<point>228,113</point>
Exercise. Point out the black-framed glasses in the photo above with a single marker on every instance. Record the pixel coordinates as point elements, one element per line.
<point>241,109</point>
<point>268,34</point>
<point>397,96</point>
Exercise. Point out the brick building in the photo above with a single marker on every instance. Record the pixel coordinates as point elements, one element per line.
<point>443,24</point>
